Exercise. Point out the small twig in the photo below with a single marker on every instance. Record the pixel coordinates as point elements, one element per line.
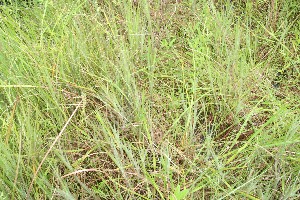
<point>49,150</point>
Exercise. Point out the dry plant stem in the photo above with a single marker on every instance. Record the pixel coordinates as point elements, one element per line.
<point>11,120</point>
<point>49,150</point>
<point>18,165</point>
<point>89,170</point>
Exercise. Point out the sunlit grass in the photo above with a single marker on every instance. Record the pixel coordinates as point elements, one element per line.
<point>149,100</point>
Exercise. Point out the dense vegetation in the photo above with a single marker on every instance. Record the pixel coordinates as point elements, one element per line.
<point>137,99</point>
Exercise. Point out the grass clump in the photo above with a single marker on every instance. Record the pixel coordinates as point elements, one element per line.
<point>149,100</point>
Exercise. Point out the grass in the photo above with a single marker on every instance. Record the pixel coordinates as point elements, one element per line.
<point>150,100</point>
